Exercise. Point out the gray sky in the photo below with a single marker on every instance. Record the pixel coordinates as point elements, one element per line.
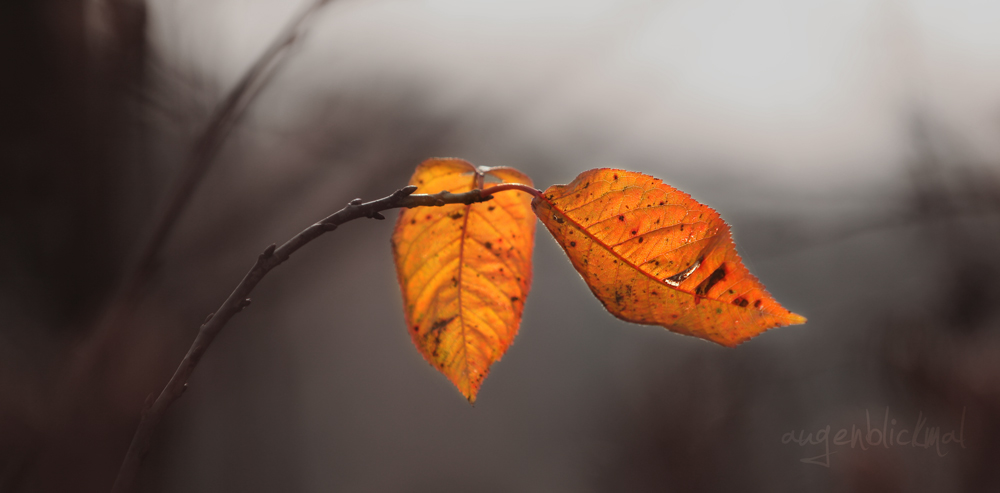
<point>804,92</point>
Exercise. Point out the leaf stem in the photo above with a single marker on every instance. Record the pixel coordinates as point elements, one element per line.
<point>272,257</point>
<point>513,186</point>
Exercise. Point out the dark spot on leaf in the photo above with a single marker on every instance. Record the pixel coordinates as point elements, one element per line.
<point>634,232</point>
<point>618,297</point>
<point>682,227</point>
<point>741,302</point>
<point>437,326</point>
<point>661,202</point>
<point>514,298</point>
<point>585,185</point>
<point>455,215</point>
<point>713,279</point>
<point>490,208</point>
<point>640,239</point>
<point>616,177</point>
<point>572,243</point>
<point>621,218</point>
<point>428,217</point>
<point>413,221</point>
<point>488,245</point>
<point>416,328</point>
<point>557,219</point>
<point>756,304</point>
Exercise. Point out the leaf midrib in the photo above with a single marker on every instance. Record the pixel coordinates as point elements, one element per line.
<point>624,260</point>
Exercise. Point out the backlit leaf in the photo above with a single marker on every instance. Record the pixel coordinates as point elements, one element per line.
<point>653,255</point>
<point>464,270</point>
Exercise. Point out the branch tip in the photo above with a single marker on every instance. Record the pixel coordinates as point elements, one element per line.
<point>269,251</point>
<point>377,215</point>
<point>407,190</point>
<point>355,202</point>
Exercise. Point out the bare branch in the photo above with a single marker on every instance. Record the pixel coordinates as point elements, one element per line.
<point>272,257</point>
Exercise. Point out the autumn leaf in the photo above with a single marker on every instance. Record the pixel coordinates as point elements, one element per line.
<point>464,270</point>
<point>653,255</point>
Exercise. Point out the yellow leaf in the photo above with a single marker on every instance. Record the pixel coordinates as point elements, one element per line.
<point>653,255</point>
<point>464,270</point>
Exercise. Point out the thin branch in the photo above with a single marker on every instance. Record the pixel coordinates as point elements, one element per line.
<point>238,300</point>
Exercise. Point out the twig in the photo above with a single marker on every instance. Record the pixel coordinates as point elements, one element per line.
<point>238,300</point>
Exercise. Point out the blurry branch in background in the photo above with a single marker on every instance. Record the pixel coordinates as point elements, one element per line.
<point>947,187</point>
<point>237,301</point>
<point>206,147</point>
<point>942,356</point>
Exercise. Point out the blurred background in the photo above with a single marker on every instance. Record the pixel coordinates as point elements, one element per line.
<point>854,147</point>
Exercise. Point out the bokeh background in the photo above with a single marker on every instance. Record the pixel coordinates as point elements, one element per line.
<point>854,147</point>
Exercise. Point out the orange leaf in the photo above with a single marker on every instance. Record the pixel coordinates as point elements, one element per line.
<point>653,255</point>
<point>465,270</point>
